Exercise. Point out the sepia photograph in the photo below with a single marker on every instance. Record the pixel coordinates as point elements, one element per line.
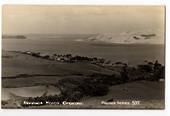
<point>83,57</point>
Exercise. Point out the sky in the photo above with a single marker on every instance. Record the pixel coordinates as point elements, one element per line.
<point>38,19</point>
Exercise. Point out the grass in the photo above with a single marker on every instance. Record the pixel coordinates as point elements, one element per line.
<point>25,64</point>
<point>83,81</point>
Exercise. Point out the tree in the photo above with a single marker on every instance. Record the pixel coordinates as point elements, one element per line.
<point>124,74</point>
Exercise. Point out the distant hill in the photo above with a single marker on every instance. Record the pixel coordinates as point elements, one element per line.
<point>127,38</point>
<point>13,37</point>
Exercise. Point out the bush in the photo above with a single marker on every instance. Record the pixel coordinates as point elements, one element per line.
<point>146,68</point>
<point>74,96</point>
<point>99,90</point>
<point>4,102</point>
<point>92,88</point>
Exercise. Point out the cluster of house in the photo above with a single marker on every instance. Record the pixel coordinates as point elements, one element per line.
<point>66,58</point>
<point>72,59</point>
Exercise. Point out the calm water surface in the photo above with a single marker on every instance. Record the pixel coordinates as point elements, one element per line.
<point>132,54</point>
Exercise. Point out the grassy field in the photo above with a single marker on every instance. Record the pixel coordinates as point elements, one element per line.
<point>14,63</point>
<point>32,91</point>
<point>27,76</point>
<point>41,71</point>
<point>150,95</point>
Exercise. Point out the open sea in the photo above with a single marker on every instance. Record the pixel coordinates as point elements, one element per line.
<point>63,44</point>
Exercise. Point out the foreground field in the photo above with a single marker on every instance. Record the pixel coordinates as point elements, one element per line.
<point>25,77</point>
<point>150,95</point>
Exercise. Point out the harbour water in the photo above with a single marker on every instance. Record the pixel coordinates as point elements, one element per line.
<point>63,44</point>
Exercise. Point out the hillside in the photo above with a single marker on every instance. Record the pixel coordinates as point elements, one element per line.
<point>146,37</point>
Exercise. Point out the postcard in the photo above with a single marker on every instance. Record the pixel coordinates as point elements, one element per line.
<point>83,57</point>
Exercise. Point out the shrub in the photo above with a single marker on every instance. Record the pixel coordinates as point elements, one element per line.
<point>93,88</point>
<point>74,96</point>
<point>146,68</point>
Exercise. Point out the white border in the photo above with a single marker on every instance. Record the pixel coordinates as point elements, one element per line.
<point>165,112</point>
